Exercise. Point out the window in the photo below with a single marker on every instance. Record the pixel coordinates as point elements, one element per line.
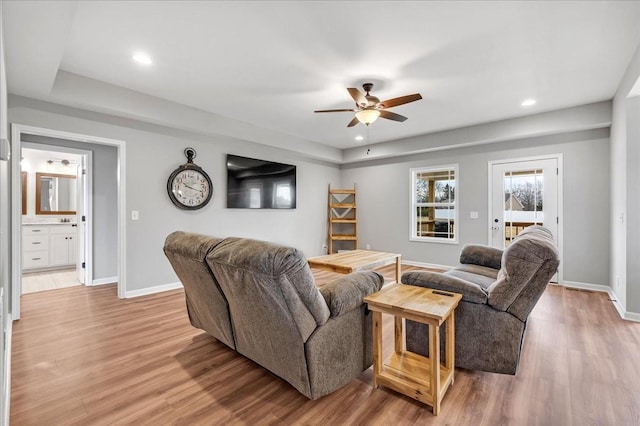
<point>433,204</point>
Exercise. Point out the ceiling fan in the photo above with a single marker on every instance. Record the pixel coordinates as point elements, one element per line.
<point>369,108</point>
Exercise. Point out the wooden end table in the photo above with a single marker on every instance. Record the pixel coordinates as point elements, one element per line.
<point>349,261</point>
<point>425,379</point>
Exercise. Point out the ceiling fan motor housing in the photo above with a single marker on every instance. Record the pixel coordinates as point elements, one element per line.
<point>372,101</point>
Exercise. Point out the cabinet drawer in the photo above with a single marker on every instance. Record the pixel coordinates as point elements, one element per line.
<point>62,229</point>
<point>35,242</point>
<point>35,259</point>
<point>35,230</point>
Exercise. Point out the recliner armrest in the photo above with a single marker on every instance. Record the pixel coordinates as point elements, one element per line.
<point>346,293</point>
<point>471,292</point>
<point>477,254</point>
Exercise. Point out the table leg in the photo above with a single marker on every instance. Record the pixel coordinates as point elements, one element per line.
<point>434,356</point>
<point>450,354</point>
<point>377,347</point>
<point>398,335</point>
<point>398,268</point>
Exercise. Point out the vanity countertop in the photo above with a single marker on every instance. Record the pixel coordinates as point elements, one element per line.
<point>48,223</point>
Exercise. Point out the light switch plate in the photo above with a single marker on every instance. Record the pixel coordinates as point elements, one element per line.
<point>135,215</point>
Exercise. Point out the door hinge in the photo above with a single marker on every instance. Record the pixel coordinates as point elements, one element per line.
<point>557,171</point>
<point>84,171</point>
<point>557,220</point>
<point>84,265</point>
<point>84,218</point>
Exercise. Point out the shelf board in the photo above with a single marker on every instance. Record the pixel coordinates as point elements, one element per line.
<point>410,374</point>
<point>343,220</point>
<point>344,237</point>
<point>342,205</point>
<point>342,191</point>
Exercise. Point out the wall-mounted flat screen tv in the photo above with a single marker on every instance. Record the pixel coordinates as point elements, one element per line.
<point>260,184</point>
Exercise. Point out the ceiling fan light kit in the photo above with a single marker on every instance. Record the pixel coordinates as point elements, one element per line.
<point>369,108</point>
<point>367,116</point>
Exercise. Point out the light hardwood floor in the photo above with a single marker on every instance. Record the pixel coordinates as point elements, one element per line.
<point>83,357</point>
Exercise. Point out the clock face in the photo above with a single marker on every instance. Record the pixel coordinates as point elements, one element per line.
<point>189,188</point>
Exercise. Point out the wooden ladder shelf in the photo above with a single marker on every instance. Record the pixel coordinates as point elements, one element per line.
<point>343,222</point>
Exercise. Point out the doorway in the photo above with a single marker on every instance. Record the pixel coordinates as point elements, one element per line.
<point>524,192</point>
<point>56,236</point>
<point>119,227</point>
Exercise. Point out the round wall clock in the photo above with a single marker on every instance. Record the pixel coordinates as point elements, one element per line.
<point>190,187</point>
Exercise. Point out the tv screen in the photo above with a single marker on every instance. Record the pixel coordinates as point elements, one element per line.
<point>260,184</point>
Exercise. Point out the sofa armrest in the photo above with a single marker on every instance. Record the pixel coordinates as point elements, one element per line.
<point>346,293</point>
<point>471,292</point>
<point>477,254</point>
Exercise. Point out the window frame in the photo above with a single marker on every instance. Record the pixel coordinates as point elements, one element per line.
<point>413,231</point>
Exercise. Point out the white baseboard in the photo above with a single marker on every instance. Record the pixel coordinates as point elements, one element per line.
<point>632,316</point>
<point>629,316</point>
<point>586,286</point>
<point>425,265</point>
<point>6,386</point>
<point>152,290</point>
<point>102,281</point>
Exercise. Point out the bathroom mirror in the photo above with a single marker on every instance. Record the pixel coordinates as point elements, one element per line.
<point>55,193</point>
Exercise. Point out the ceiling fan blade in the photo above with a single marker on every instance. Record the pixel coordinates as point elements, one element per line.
<point>390,103</point>
<point>392,116</point>
<point>357,96</point>
<point>336,110</point>
<point>353,122</point>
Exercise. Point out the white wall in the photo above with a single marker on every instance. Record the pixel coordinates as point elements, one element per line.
<point>624,170</point>
<point>153,152</point>
<point>383,200</point>
<point>633,204</point>
<point>5,235</point>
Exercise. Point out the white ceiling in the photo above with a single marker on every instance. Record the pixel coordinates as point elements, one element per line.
<point>271,64</point>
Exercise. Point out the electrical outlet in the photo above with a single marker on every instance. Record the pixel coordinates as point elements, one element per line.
<point>135,215</point>
<point>473,215</point>
<point>368,246</point>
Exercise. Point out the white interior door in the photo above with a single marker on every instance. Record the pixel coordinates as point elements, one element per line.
<point>523,193</point>
<point>81,214</point>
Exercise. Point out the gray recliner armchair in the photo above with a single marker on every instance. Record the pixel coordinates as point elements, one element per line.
<point>499,289</point>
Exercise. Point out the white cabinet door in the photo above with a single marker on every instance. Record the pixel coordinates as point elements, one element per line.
<point>59,254</point>
<point>73,249</point>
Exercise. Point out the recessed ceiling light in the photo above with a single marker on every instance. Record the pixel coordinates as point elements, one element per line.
<point>142,58</point>
<point>528,102</point>
<point>359,137</point>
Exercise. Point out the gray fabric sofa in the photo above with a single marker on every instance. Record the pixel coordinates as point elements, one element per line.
<point>260,299</point>
<point>499,291</point>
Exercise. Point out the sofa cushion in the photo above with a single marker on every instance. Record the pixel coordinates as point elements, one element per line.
<point>346,293</point>
<point>482,255</point>
<point>206,304</point>
<point>274,304</point>
<point>282,270</point>
<point>471,292</point>
<point>480,275</point>
<point>522,266</point>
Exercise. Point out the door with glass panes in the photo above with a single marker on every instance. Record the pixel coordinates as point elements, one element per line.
<point>523,193</point>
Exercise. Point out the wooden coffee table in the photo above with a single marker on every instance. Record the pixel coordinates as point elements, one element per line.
<point>422,378</point>
<point>356,260</point>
